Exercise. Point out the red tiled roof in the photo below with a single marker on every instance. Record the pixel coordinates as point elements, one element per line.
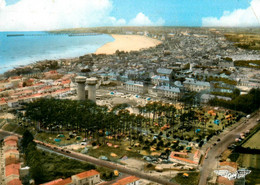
<point>126,180</point>
<point>232,164</point>
<point>61,90</point>
<point>11,151</point>
<point>225,181</point>
<point>14,138</point>
<point>178,153</point>
<point>185,160</point>
<point>66,81</point>
<point>87,174</point>
<point>37,84</point>
<point>23,92</point>
<point>12,169</point>
<point>14,182</point>
<point>2,102</point>
<point>197,154</point>
<point>172,155</point>
<point>64,182</point>
<point>16,77</point>
<point>54,182</point>
<point>10,143</point>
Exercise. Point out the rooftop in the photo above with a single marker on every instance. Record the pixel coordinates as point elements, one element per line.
<point>10,143</point>
<point>168,88</point>
<point>14,138</point>
<point>64,182</point>
<point>14,182</point>
<point>137,83</point>
<point>54,182</point>
<point>11,151</point>
<point>87,174</point>
<point>126,180</point>
<point>157,77</point>
<point>195,82</point>
<point>164,71</point>
<point>12,169</point>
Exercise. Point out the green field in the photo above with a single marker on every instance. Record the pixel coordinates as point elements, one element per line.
<point>253,142</point>
<point>249,160</point>
<point>193,179</point>
<point>254,177</point>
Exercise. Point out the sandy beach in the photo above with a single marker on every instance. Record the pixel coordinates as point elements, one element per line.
<point>127,43</point>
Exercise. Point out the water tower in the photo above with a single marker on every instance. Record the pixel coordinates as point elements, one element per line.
<point>81,80</point>
<point>92,82</point>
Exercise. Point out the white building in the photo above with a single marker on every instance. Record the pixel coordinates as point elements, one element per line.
<point>137,87</point>
<point>157,79</point>
<point>194,85</point>
<point>167,91</point>
<point>90,177</point>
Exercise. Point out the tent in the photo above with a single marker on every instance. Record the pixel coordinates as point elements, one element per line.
<point>57,140</point>
<point>113,155</point>
<point>216,122</point>
<point>103,158</point>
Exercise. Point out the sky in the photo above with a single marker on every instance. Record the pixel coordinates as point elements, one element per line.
<point>41,15</point>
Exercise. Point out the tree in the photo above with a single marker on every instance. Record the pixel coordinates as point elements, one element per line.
<point>27,139</point>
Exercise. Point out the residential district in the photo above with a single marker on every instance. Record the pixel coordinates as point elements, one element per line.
<point>191,70</point>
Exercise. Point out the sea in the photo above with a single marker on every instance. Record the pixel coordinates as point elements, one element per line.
<point>22,48</point>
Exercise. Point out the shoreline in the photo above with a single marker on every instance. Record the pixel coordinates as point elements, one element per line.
<point>127,43</point>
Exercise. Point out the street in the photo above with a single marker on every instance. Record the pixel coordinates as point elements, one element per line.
<point>209,164</point>
<point>227,138</point>
<point>96,161</point>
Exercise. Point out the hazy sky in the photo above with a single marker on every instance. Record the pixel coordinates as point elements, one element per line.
<point>28,15</point>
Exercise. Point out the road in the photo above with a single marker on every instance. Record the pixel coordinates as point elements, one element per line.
<point>98,162</point>
<point>227,138</point>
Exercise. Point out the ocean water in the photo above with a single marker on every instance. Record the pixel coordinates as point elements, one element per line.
<point>36,46</point>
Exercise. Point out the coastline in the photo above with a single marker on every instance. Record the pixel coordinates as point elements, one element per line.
<point>121,42</point>
<point>127,43</point>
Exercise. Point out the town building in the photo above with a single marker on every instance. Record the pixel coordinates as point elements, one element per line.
<point>167,91</point>
<point>90,177</point>
<point>130,180</point>
<point>185,158</point>
<point>194,85</point>
<point>206,97</point>
<point>136,86</point>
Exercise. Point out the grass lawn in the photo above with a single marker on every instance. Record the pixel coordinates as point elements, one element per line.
<point>254,177</point>
<point>120,152</point>
<point>249,160</point>
<point>193,179</point>
<point>13,127</point>
<point>56,166</point>
<point>253,142</point>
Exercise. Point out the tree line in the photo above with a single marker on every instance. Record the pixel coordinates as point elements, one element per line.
<point>247,103</point>
<point>98,121</point>
<point>43,165</point>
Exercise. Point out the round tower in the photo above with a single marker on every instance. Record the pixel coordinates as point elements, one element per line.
<point>81,80</point>
<point>92,82</point>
